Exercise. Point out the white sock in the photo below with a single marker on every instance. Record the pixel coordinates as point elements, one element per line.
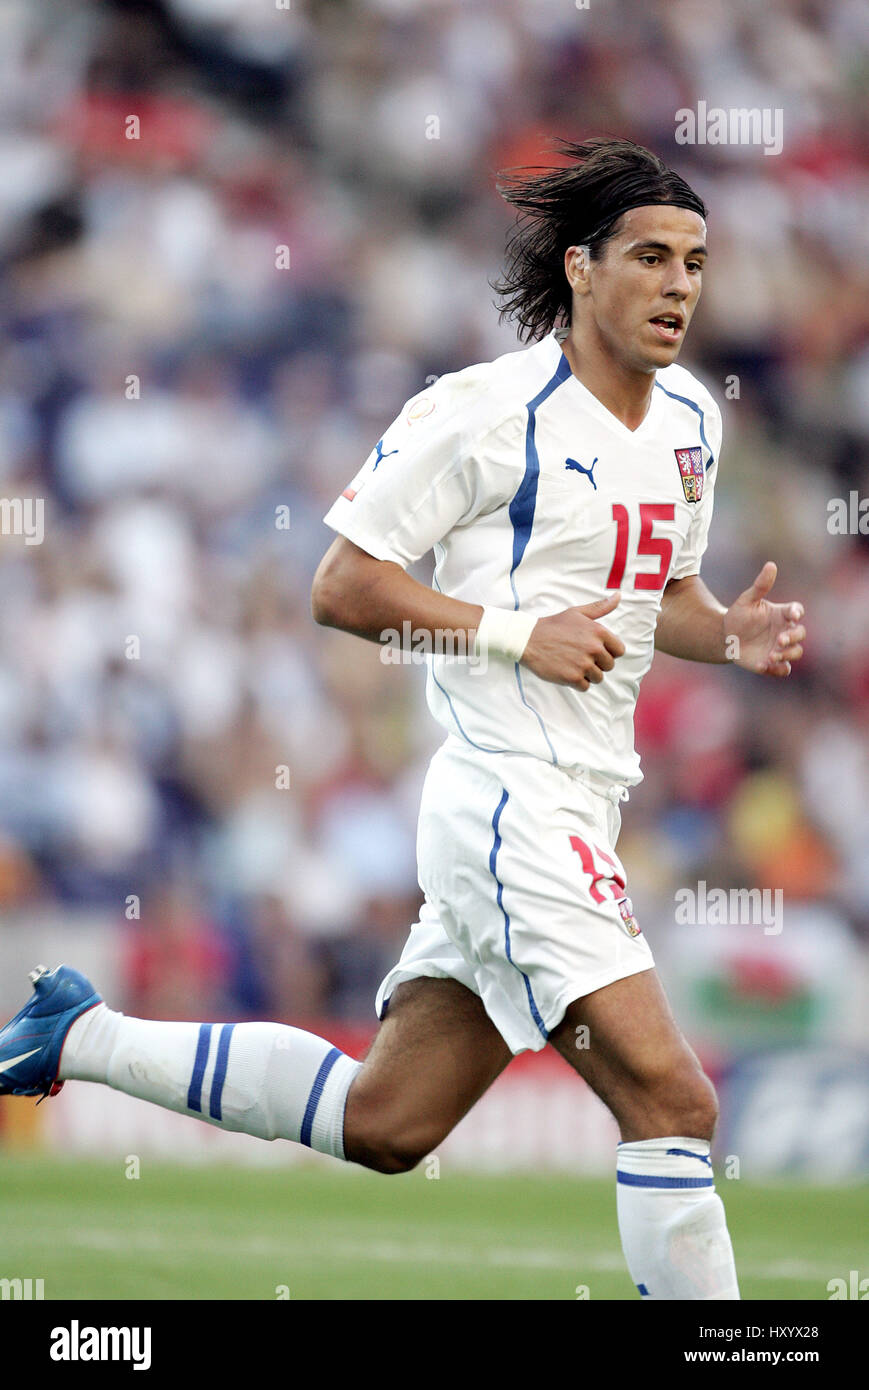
<point>672,1223</point>
<point>264,1079</point>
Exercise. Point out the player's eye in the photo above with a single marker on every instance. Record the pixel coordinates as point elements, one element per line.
<point>650,257</point>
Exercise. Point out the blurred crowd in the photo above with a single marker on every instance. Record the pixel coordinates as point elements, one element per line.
<point>234,239</point>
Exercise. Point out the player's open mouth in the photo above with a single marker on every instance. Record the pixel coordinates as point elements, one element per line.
<point>668,326</point>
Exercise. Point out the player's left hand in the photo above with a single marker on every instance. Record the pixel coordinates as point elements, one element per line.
<point>769,635</point>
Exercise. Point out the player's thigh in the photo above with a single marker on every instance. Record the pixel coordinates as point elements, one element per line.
<point>435,1054</point>
<point>624,1041</point>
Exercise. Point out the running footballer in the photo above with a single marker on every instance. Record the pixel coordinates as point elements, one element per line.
<point>566,490</point>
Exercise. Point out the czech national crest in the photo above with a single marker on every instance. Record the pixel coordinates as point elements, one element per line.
<point>626,908</point>
<point>690,463</point>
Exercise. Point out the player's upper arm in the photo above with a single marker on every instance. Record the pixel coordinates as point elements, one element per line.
<point>443,461</point>
<point>345,569</point>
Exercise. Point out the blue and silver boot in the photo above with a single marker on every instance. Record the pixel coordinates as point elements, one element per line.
<point>31,1043</point>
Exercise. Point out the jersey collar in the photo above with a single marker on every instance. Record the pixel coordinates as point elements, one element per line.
<point>551,352</point>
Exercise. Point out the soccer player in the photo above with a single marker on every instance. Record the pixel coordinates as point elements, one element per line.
<point>566,489</point>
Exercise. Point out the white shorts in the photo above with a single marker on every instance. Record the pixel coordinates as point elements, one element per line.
<point>525,894</point>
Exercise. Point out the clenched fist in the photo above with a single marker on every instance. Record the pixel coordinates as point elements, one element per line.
<point>573,648</point>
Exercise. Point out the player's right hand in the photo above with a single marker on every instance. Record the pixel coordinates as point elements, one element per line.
<point>574,648</point>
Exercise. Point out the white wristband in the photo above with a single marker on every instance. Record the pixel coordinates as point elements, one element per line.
<point>504,631</point>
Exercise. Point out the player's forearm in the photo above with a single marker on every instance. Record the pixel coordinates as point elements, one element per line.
<point>691,622</point>
<point>374,598</point>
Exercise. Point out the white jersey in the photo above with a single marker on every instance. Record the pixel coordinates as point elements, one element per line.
<point>535,497</point>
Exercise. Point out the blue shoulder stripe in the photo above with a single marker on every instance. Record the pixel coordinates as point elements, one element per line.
<point>696,408</point>
<point>522,510</point>
<point>525,500</point>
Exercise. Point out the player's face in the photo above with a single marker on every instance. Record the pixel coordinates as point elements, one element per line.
<point>644,289</point>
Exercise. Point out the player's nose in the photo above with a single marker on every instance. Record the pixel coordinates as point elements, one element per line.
<point>678,282</point>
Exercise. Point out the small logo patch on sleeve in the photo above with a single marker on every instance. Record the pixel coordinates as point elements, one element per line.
<point>632,926</point>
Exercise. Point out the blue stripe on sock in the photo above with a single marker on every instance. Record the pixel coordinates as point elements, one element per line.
<point>643,1290</point>
<point>194,1095</point>
<point>220,1071</point>
<point>644,1180</point>
<point>316,1092</point>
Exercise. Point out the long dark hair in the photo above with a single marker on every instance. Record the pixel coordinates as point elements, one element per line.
<point>575,205</point>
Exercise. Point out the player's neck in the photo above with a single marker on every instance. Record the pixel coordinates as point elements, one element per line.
<point>625,393</point>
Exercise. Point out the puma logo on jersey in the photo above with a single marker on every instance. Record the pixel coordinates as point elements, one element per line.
<point>589,472</point>
<point>381,455</point>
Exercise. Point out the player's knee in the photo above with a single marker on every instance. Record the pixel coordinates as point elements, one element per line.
<point>672,1100</point>
<point>695,1105</point>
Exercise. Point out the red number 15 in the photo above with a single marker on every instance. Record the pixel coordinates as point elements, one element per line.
<point>650,512</point>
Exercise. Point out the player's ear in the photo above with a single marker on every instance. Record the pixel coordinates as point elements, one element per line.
<point>577,263</point>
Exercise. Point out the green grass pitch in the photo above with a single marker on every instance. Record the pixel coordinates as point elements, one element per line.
<point>230,1233</point>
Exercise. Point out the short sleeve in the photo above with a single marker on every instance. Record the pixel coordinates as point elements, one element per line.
<point>695,542</point>
<point>436,466</point>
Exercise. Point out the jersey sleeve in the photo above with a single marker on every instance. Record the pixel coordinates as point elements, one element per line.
<point>696,540</point>
<point>440,464</point>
